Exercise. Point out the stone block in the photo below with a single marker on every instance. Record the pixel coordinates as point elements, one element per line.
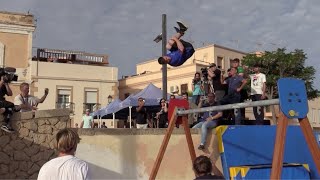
<point>52,113</point>
<point>31,125</point>
<point>32,150</point>
<point>45,129</point>
<point>28,141</point>
<point>23,132</point>
<point>35,168</point>
<point>8,150</point>
<point>64,119</point>
<point>23,166</point>
<point>21,156</point>
<point>37,157</point>
<point>17,144</point>
<point>54,121</point>
<point>41,163</point>
<point>25,115</point>
<point>61,125</point>
<point>4,140</point>
<point>22,174</point>
<point>14,165</point>
<point>41,122</point>
<point>39,138</point>
<point>34,176</point>
<point>4,169</point>
<point>16,125</point>
<point>4,158</point>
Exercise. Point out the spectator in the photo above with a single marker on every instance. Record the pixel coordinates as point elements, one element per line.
<point>162,115</point>
<point>202,167</point>
<point>66,165</point>
<point>6,107</point>
<point>258,92</point>
<point>87,120</point>
<point>141,119</point>
<point>215,75</point>
<point>209,119</point>
<point>235,84</point>
<point>28,102</point>
<point>76,125</point>
<point>197,88</point>
<point>185,96</point>
<point>104,125</point>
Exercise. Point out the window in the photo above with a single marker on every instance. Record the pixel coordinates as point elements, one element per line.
<point>220,62</point>
<point>314,116</point>
<point>64,98</point>
<point>184,88</point>
<point>171,88</point>
<point>91,100</point>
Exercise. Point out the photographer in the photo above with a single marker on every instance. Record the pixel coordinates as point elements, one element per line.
<point>6,106</point>
<point>141,119</point>
<point>28,102</point>
<point>197,88</point>
<point>215,75</point>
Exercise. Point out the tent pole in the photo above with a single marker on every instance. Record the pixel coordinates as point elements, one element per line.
<point>113,119</point>
<point>130,116</point>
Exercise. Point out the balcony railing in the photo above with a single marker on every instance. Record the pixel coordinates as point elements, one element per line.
<point>91,106</point>
<point>66,105</point>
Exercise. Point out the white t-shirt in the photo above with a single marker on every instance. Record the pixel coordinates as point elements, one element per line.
<point>65,167</point>
<point>257,81</point>
<point>87,121</point>
<point>31,100</point>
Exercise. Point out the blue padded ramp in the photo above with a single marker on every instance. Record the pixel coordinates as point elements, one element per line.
<point>253,145</point>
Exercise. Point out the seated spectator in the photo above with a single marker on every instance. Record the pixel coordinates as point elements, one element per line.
<point>172,96</point>
<point>209,119</point>
<point>202,167</point>
<point>28,102</point>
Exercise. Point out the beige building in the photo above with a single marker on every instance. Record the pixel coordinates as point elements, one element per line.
<point>179,78</point>
<point>16,45</point>
<point>314,112</point>
<point>76,79</point>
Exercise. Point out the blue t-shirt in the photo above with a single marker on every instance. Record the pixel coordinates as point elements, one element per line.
<point>178,58</point>
<point>233,84</point>
<point>210,113</point>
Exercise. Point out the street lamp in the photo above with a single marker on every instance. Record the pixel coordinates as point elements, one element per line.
<point>109,99</point>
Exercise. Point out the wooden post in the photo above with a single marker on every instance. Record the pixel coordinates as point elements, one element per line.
<point>311,141</point>
<point>164,145</point>
<point>278,151</point>
<point>189,138</point>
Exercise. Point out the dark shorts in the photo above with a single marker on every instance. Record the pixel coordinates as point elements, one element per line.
<point>185,44</point>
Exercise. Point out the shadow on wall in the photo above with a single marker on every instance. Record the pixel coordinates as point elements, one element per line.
<point>97,172</point>
<point>24,152</point>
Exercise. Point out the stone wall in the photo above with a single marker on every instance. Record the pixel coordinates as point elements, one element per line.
<point>25,151</point>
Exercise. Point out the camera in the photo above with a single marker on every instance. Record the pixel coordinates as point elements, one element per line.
<point>204,72</point>
<point>9,74</point>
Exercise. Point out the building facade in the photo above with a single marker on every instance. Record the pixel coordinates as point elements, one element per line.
<point>76,80</point>
<point>179,78</point>
<point>16,31</point>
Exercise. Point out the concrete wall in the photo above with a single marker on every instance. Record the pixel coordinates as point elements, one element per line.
<point>131,153</point>
<point>25,151</point>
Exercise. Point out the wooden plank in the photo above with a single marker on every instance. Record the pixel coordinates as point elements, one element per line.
<point>279,144</point>
<point>189,138</point>
<point>164,145</point>
<point>311,141</point>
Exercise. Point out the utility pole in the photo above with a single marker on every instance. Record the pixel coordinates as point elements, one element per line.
<point>164,52</point>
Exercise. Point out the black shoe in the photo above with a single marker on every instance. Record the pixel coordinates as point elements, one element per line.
<point>201,147</point>
<point>7,128</point>
<point>158,38</point>
<point>177,29</point>
<point>183,28</point>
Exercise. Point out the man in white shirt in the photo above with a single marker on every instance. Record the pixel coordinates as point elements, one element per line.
<point>87,120</point>
<point>28,102</point>
<point>258,92</point>
<point>66,165</point>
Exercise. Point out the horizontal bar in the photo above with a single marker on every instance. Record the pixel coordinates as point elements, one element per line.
<point>230,106</point>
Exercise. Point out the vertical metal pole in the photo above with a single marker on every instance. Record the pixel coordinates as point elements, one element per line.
<point>164,52</point>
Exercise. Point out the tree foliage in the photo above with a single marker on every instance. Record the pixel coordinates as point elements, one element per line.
<point>277,64</point>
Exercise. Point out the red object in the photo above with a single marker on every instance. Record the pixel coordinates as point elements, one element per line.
<point>179,103</point>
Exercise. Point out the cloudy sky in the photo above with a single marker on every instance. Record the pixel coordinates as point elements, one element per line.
<point>124,29</point>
